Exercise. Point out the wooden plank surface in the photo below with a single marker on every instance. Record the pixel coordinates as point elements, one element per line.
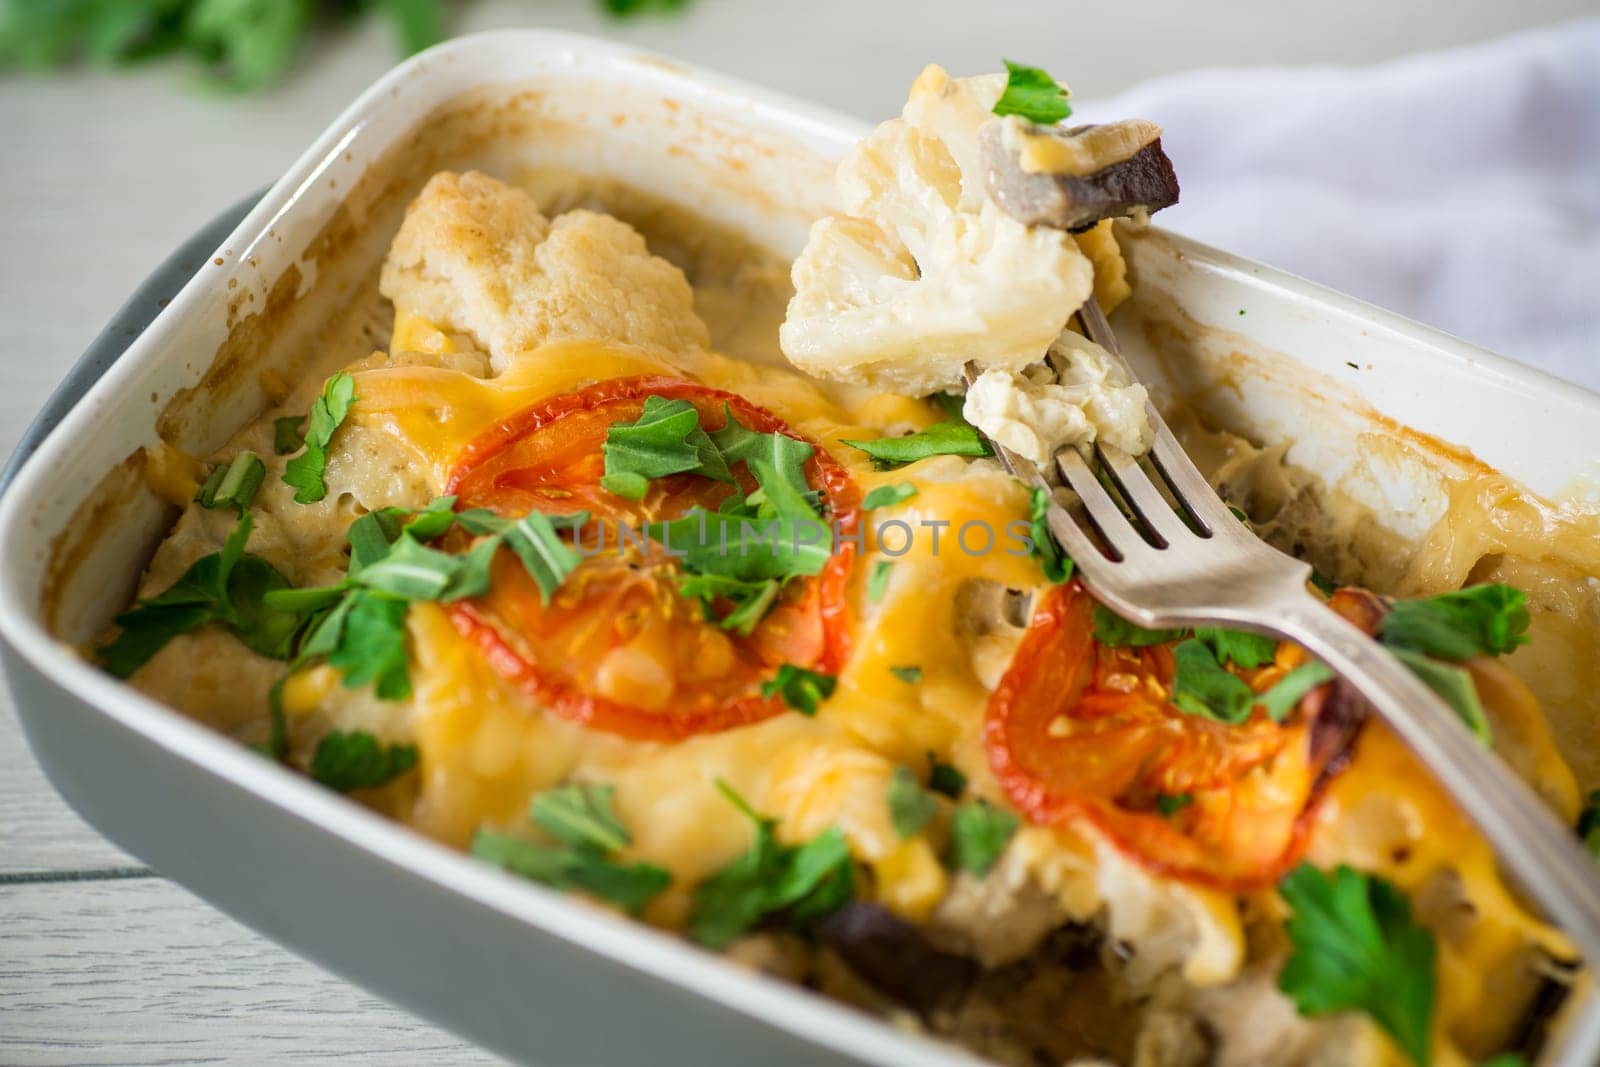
<point>137,971</point>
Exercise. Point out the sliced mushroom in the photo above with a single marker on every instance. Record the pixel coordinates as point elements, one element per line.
<point>1071,178</point>
<point>895,958</point>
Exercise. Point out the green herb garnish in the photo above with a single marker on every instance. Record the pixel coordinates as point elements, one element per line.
<point>802,883</point>
<point>909,675</point>
<point>1356,947</point>
<point>287,435</point>
<point>234,484</point>
<point>1053,560</point>
<point>1288,691</point>
<point>885,496</point>
<point>1453,685</point>
<point>979,833</point>
<point>1481,620</point>
<point>582,819</point>
<point>581,816</point>
<point>1169,804</point>
<point>911,807</point>
<point>801,689</point>
<point>242,45</point>
<point>358,760</point>
<point>305,471</point>
<point>945,779</point>
<point>1247,650</point>
<point>878,580</point>
<point>1113,631</point>
<point>952,437</point>
<point>1033,94</point>
<point>227,587</point>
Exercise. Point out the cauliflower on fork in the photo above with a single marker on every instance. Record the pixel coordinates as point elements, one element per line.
<point>926,272</point>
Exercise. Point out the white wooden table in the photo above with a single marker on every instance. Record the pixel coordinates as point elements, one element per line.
<point>105,962</point>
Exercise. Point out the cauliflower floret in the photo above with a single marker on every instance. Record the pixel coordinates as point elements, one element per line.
<point>1037,412</point>
<point>476,256</point>
<point>924,272</point>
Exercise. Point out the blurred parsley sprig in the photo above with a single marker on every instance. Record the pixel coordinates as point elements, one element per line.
<point>240,44</point>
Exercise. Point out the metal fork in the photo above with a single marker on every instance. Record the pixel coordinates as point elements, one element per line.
<point>1177,557</point>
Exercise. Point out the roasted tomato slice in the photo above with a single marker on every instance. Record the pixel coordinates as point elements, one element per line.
<point>1080,730</point>
<point>618,647</point>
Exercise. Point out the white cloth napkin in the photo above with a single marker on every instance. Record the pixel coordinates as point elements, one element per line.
<point>1459,188</point>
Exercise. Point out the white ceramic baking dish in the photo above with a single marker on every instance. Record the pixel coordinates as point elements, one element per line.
<point>529,973</point>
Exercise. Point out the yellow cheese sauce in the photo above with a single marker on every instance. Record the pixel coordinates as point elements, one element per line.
<point>486,748</point>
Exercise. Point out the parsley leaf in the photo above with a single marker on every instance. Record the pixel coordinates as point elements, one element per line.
<point>357,760</point>
<point>1245,649</point>
<point>1055,563</point>
<point>547,558</point>
<point>1202,686</point>
<point>629,886</point>
<point>233,485</point>
<point>1481,620</point>
<point>979,832</point>
<point>952,437</point>
<point>371,645</point>
<point>665,439</point>
<point>1033,94</point>
<point>1288,691</point>
<point>945,779</point>
<point>1113,631</point>
<point>885,496</point>
<point>287,436</point>
<point>304,472</point>
<point>908,675</point>
<point>806,882</point>
<point>910,806</point>
<point>1453,685</point>
<point>1169,804</point>
<point>582,816</point>
<point>1355,946</point>
<point>229,587</point>
<point>801,689</point>
<point>878,580</point>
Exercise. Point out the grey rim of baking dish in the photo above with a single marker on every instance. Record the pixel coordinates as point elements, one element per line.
<point>131,320</point>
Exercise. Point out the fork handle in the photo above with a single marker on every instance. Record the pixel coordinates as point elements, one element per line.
<point>1508,812</point>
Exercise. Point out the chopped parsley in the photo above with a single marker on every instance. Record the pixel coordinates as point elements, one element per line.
<point>1356,947</point>
<point>305,471</point>
<point>878,580</point>
<point>979,833</point>
<point>287,435</point>
<point>1288,691</point>
<point>798,883</point>
<point>358,760</point>
<point>228,587</point>
<point>1247,650</point>
<point>1453,685</point>
<point>1033,94</point>
<point>1202,686</point>
<point>801,689</point>
<point>1113,631</point>
<point>1481,620</point>
<point>1169,804</point>
<point>233,485</point>
<point>582,819</point>
<point>945,779</point>
<point>665,439</point>
<point>909,675</point>
<point>1055,563</point>
<point>950,437</point>
<point>582,816</point>
<point>885,496</point>
<point>911,807</point>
